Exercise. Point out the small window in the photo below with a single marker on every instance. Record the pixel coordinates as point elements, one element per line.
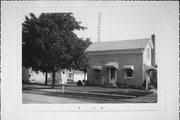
<point>97,74</point>
<point>97,71</point>
<point>129,73</point>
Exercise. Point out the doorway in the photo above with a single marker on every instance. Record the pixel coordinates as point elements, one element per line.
<point>112,75</point>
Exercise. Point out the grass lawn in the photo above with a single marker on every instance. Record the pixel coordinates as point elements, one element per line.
<point>36,93</point>
<point>94,89</point>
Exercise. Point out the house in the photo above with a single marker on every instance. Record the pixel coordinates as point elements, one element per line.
<point>121,62</point>
<point>30,76</point>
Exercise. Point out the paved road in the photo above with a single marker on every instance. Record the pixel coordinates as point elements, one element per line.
<point>36,98</point>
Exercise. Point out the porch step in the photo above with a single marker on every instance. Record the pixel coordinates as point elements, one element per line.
<point>109,85</point>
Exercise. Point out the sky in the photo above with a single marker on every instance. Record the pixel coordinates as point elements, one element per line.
<point>122,23</point>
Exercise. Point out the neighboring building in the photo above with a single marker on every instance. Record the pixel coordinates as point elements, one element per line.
<point>29,76</point>
<point>127,61</point>
<point>71,75</point>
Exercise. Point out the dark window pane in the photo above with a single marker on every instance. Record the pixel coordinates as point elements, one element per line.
<point>129,73</point>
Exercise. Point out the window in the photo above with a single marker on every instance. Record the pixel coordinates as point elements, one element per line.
<point>97,71</point>
<point>129,73</point>
<point>97,74</point>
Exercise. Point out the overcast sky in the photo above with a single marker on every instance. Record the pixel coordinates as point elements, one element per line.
<point>122,23</point>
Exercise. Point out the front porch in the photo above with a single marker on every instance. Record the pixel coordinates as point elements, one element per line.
<point>106,74</point>
<point>150,76</point>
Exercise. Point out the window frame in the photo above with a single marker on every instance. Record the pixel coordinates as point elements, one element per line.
<point>125,73</point>
<point>97,74</point>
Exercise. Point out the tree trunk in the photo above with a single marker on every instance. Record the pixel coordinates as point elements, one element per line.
<point>84,75</point>
<point>53,80</point>
<point>46,78</point>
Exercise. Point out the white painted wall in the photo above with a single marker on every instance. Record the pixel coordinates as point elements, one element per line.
<point>79,75</point>
<point>147,61</point>
<point>38,77</point>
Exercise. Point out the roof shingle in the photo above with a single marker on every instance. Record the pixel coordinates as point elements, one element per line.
<point>118,45</point>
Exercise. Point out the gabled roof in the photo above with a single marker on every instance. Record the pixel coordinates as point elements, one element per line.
<point>119,45</point>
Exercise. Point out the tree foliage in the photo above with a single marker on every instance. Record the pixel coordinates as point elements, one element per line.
<point>50,44</point>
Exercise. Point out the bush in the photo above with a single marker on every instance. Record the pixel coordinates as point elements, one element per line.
<point>151,87</point>
<point>79,83</point>
<point>84,82</point>
<point>143,84</point>
<point>119,85</point>
<point>125,85</point>
<point>88,83</point>
<point>131,86</point>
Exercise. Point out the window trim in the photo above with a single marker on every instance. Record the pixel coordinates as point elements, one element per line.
<point>125,75</point>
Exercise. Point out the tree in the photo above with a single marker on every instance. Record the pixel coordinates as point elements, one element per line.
<point>50,44</point>
<point>82,61</point>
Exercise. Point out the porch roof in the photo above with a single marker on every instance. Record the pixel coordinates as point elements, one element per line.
<point>97,67</point>
<point>148,68</point>
<point>112,64</point>
<point>128,67</point>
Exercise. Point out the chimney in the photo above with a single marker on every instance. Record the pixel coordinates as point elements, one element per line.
<point>99,27</point>
<point>153,53</point>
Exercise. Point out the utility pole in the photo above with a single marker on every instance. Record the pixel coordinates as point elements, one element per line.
<point>99,27</point>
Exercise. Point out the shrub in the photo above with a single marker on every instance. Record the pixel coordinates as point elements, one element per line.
<point>131,86</point>
<point>119,85</point>
<point>143,84</point>
<point>151,87</point>
<point>87,83</point>
<point>84,82</point>
<point>79,83</point>
<point>125,85</point>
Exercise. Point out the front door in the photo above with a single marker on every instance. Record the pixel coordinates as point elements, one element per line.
<point>112,75</point>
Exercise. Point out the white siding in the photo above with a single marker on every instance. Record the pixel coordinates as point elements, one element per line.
<point>37,77</point>
<point>79,75</point>
<point>147,59</point>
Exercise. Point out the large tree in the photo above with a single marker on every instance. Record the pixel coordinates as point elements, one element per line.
<point>50,44</point>
<point>81,62</point>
